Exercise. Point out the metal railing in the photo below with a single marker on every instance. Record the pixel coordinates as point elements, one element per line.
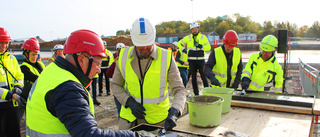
<point>309,78</point>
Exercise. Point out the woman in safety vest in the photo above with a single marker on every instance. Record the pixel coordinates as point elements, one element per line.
<point>11,83</point>
<point>31,67</point>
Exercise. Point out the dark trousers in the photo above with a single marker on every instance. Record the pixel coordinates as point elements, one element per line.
<point>103,73</point>
<point>195,66</point>
<point>94,88</point>
<point>9,123</point>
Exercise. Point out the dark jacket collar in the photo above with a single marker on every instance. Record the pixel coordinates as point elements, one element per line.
<point>66,65</point>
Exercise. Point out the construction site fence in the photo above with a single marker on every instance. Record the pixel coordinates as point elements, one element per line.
<point>309,78</point>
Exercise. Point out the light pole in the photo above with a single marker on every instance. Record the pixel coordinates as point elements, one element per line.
<point>192,9</point>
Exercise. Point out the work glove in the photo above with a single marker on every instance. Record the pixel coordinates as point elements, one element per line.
<point>21,102</point>
<point>200,46</point>
<point>136,108</point>
<point>17,90</point>
<point>171,120</point>
<point>245,83</point>
<point>214,81</point>
<point>235,85</point>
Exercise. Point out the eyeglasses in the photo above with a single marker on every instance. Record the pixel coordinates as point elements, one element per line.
<point>2,42</point>
<point>92,59</point>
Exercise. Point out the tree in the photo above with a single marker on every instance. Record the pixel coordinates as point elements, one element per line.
<point>303,31</point>
<point>314,30</point>
<point>209,24</point>
<point>120,32</point>
<point>267,29</point>
<point>222,28</point>
<point>238,29</point>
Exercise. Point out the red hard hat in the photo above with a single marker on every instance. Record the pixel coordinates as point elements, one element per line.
<point>84,40</point>
<point>4,35</point>
<point>31,44</point>
<point>230,38</point>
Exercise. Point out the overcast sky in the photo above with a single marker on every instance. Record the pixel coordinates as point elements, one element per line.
<point>52,19</point>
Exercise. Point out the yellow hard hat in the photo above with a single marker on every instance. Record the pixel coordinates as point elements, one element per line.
<point>269,43</point>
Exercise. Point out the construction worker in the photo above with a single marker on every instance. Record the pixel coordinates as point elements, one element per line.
<point>11,80</point>
<point>57,51</point>
<point>106,62</point>
<point>59,104</point>
<point>195,46</point>
<point>174,49</point>
<point>110,72</point>
<point>224,66</point>
<point>31,67</point>
<point>182,63</point>
<point>263,70</point>
<point>94,90</point>
<point>141,78</point>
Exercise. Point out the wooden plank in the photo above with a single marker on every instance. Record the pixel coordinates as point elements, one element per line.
<point>255,123</point>
<point>273,107</point>
<point>316,107</point>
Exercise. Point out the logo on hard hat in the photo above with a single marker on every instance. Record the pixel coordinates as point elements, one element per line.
<point>85,42</point>
<point>4,35</point>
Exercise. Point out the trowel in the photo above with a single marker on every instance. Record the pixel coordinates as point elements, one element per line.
<point>162,133</point>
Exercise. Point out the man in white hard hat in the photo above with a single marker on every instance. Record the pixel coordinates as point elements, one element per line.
<point>196,44</point>
<point>141,80</point>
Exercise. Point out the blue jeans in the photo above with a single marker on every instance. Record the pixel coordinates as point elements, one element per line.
<point>184,75</point>
<point>94,88</point>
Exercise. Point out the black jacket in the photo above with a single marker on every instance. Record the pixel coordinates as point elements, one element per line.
<point>212,61</point>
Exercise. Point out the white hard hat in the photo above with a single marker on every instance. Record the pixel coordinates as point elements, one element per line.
<point>120,45</point>
<point>104,43</point>
<point>194,24</point>
<point>175,44</point>
<point>58,46</point>
<point>143,33</point>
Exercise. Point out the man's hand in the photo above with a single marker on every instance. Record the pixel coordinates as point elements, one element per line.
<point>136,108</point>
<point>184,51</point>
<point>245,83</point>
<point>171,120</point>
<point>215,81</point>
<point>186,63</point>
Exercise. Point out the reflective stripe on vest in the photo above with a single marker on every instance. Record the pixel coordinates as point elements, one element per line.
<point>155,92</point>
<point>221,67</point>
<point>40,122</point>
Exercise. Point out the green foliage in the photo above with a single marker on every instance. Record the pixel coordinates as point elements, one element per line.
<point>221,24</point>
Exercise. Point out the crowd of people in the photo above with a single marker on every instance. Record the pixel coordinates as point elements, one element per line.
<point>56,101</point>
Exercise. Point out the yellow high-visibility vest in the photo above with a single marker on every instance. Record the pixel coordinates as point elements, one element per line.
<point>40,122</point>
<point>155,85</point>
<point>9,64</point>
<point>221,67</point>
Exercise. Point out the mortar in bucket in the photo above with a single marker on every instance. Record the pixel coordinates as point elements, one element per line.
<point>205,111</point>
<point>225,93</point>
